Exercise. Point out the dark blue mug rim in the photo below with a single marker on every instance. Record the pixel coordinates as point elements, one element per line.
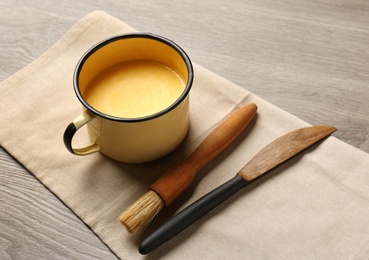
<point>107,41</point>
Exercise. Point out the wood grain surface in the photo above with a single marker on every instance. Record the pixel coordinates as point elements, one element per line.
<point>310,58</point>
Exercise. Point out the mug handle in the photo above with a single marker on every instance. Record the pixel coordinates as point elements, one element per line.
<point>72,128</point>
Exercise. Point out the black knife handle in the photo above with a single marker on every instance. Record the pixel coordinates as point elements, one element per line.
<point>192,213</point>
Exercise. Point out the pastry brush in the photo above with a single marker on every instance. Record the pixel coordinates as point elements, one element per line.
<point>176,180</point>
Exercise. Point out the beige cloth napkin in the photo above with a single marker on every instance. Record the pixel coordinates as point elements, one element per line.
<point>316,206</point>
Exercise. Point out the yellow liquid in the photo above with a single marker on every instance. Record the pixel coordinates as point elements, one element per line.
<point>134,89</point>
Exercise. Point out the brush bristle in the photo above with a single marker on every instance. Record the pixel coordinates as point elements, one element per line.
<point>142,212</point>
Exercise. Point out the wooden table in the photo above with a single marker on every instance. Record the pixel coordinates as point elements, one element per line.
<point>310,58</point>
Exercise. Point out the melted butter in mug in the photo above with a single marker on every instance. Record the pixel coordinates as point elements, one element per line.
<point>134,89</point>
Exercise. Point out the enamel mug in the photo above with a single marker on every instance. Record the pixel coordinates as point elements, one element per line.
<point>131,140</point>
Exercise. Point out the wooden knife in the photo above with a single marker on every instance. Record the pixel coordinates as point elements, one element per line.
<point>271,156</point>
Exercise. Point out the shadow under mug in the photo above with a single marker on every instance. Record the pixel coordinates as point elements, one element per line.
<point>131,140</point>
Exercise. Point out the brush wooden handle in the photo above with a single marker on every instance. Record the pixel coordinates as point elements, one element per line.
<point>170,185</point>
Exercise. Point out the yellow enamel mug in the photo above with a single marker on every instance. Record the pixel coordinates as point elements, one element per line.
<point>131,139</point>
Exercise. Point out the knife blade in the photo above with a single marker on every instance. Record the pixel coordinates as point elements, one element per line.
<point>271,156</point>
